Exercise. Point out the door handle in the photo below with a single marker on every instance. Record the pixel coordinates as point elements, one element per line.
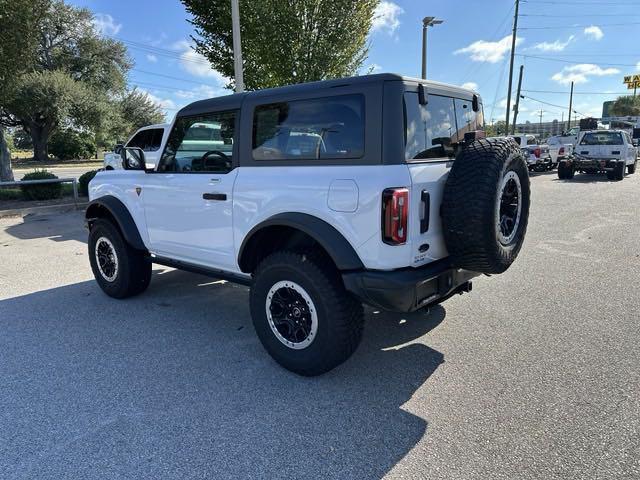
<point>214,196</point>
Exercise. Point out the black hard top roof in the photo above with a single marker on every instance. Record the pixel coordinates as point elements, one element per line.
<point>235,100</point>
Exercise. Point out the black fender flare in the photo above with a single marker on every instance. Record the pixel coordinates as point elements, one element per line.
<point>120,214</point>
<point>338,248</point>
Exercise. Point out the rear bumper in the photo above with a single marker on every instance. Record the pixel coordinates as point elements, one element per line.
<point>408,289</point>
<point>594,163</point>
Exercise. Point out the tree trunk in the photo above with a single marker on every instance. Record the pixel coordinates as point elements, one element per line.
<point>40,137</point>
<point>6,174</point>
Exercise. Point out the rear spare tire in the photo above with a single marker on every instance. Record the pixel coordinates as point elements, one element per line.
<point>485,206</point>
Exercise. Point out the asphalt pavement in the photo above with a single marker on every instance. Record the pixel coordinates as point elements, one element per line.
<point>535,374</point>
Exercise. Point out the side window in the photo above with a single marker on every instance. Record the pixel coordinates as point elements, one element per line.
<point>320,128</point>
<point>430,130</point>
<point>201,143</point>
<point>139,140</point>
<point>518,140</point>
<point>466,119</point>
<point>154,140</point>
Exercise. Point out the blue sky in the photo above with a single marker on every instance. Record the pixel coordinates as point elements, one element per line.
<point>557,42</point>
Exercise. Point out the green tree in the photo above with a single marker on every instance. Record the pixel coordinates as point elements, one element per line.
<point>71,79</point>
<point>625,106</point>
<point>496,129</point>
<point>285,41</point>
<point>18,38</point>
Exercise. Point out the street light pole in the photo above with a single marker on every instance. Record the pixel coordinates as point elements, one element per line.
<point>237,46</point>
<point>426,22</point>
<point>513,52</point>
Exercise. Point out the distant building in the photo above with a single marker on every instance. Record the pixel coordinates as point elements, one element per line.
<point>544,129</point>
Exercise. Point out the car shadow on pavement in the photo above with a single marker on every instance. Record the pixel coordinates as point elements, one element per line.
<point>587,178</point>
<point>175,384</point>
<point>59,227</point>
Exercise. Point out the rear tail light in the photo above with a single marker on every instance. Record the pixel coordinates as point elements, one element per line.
<point>536,152</point>
<point>395,208</point>
<point>561,151</point>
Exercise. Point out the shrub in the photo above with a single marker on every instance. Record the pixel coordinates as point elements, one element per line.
<point>45,191</point>
<point>68,144</point>
<point>83,182</point>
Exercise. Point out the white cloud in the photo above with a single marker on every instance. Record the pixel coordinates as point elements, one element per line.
<point>470,85</point>
<point>104,24</point>
<point>492,52</point>
<point>202,91</point>
<point>152,58</point>
<point>581,72</point>
<point>638,66</point>
<point>373,68</point>
<point>196,64</point>
<point>556,46</point>
<point>594,32</point>
<point>385,17</point>
<point>163,102</point>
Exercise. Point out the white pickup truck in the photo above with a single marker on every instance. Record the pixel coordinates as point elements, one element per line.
<point>598,151</point>
<point>558,150</point>
<point>537,155</point>
<point>150,139</point>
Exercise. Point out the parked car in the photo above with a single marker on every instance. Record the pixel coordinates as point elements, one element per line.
<point>537,154</point>
<point>150,139</point>
<point>321,197</point>
<point>601,151</point>
<point>558,150</point>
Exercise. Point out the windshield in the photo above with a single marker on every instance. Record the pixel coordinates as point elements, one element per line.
<point>602,138</point>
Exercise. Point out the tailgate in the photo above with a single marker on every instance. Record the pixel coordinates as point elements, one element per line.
<point>424,224</point>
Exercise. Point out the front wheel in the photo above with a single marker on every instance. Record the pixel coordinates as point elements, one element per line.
<point>302,314</point>
<point>120,270</point>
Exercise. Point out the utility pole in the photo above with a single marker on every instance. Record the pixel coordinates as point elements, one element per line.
<point>237,46</point>
<point>570,107</point>
<point>426,23</point>
<point>513,51</point>
<point>515,108</point>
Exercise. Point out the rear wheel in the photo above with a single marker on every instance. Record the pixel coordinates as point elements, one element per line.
<point>617,173</point>
<point>565,171</point>
<point>120,270</point>
<point>632,168</point>
<point>302,314</point>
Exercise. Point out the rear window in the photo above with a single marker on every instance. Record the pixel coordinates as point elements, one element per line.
<point>434,130</point>
<point>532,141</point>
<point>314,129</point>
<point>602,138</point>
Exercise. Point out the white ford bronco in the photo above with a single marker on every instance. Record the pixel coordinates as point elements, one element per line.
<point>320,197</point>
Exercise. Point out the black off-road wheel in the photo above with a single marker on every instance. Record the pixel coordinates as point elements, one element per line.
<point>302,314</point>
<point>485,207</point>
<point>120,270</point>
<point>566,171</point>
<point>631,169</point>
<point>617,173</point>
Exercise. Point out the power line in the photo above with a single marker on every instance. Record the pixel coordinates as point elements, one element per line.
<point>577,93</point>
<point>573,62</point>
<point>579,4</point>
<point>551,27</point>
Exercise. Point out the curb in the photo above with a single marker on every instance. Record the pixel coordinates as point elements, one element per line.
<point>44,209</point>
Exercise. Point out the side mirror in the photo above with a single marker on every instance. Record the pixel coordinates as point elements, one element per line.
<point>118,148</point>
<point>475,104</point>
<point>132,158</point>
